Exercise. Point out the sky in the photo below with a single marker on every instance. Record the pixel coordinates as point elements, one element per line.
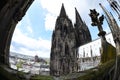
<point>32,35</point>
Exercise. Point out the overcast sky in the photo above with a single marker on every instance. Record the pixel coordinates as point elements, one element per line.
<point>32,35</point>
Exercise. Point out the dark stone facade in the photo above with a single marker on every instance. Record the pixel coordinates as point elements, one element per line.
<point>11,11</point>
<point>65,42</point>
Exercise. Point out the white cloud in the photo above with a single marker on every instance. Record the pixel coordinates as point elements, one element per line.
<point>27,24</point>
<point>41,47</point>
<point>29,29</point>
<point>53,7</point>
<point>30,46</point>
<point>19,23</point>
<point>50,22</point>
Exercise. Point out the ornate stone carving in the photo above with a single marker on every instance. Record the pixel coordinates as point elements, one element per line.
<point>97,22</point>
<point>65,41</point>
<point>108,51</point>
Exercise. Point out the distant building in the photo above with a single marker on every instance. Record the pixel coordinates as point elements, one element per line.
<point>36,58</point>
<point>30,64</point>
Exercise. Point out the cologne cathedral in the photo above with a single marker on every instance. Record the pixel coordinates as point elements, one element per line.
<point>66,39</point>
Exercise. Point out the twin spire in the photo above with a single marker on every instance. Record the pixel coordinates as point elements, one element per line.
<point>63,13</point>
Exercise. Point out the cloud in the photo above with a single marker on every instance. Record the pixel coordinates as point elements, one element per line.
<point>53,9</point>
<point>30,46</point>
<point>29,29</point>
<point>50,22</point>
<point>26,24</point>
<point>40,46</point>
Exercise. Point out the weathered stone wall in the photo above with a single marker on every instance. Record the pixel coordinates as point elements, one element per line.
<point>11,11</point>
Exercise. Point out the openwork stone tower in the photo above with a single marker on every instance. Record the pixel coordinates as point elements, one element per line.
<point>65,42</point>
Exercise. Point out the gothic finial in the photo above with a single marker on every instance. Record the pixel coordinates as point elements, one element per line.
<point>97,21</point>
<point>94,17</point>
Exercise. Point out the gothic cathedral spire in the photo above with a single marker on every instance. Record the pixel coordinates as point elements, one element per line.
<point>63,12</point>
<point>78,17</point>
<point>81,31</point>
<point>63,56</point>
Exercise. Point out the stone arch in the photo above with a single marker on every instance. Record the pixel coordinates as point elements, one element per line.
<point>11,12</point>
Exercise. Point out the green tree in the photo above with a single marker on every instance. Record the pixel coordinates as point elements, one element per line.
<point>19,64</point>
